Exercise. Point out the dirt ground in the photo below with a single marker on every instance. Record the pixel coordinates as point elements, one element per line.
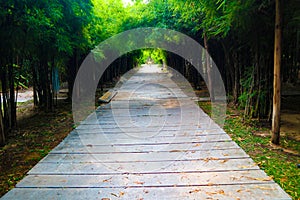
<point>290,117</point>
<point>36,135</point>
<point>290,111</point>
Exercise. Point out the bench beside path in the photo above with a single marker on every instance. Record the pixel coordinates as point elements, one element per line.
<point>150,142</point>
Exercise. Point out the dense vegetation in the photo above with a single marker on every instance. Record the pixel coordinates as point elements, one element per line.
<point>41,37</point>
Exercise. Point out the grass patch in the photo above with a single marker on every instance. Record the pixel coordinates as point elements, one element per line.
<point>279,162</point>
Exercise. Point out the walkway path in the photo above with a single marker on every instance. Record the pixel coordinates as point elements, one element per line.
<point>150,142</point>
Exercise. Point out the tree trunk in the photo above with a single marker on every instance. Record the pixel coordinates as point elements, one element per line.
<point>277,63</point>
<point>72,71</point>
<point>2,133</point>
<point>208,68</point>
<point>12,103</point>
<point>236,86</point>
<point>34,82</point>
<point>5,114</point>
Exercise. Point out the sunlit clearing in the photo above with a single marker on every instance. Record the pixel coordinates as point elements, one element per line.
<point>131,2</point>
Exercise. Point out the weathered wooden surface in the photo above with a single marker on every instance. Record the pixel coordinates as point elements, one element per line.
<point>106,98</point>
<point>150,142</point>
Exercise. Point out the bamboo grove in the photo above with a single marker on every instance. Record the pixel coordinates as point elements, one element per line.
<point>38,37</point>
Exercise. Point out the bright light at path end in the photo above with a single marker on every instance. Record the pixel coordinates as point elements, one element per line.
<point>131,2</point>
<point>127,2</point>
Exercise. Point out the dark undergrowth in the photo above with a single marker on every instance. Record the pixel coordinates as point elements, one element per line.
<point>37,134</point>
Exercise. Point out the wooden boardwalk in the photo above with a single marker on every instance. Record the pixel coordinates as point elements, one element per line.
<point>150,142</point>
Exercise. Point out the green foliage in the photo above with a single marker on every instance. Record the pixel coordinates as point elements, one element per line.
<point>156,55</point>
<point>37,36</point>
<point>109,16</point>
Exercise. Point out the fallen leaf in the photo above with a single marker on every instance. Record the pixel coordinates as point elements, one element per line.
<point>210,158</point>
<point>211,193</point>
<point>114,194</point>
<point>176,150</point>
<point>146,191</point>
<point>121,194</point>
<point>194,191</point>
<point>284,179</point>
<point>224,161</point>
<point>264,179</point>
<point>197,145</point>
<point>216,192</point>
<point>234,178</point>
<point>139,182</point>
<point>106,180</point>
<point>264,188</point>
<point>243,166</point>
<point>258,179</point>
<point>221,192</point>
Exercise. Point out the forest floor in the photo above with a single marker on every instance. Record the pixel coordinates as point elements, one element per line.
<point>290,117</point>
<point>39,132</point>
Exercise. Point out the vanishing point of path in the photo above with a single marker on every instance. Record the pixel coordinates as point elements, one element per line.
<point>150,142</point>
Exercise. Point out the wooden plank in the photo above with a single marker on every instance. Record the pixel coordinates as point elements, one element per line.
<point>68,147</point>
<point>106,98</point>
<point>166,117</point>
<point>169,104</point>
<point>210,164</point>
<point>169,135</point>
<point>142,105</point>
<point>132,139</point>
<point>151,128</point>
<point>147,180</point>
<point>226,192</point>
<point>173,131</point>
<point>146,156</point>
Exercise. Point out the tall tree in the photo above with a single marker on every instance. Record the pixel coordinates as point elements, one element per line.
<point>277,64</point>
